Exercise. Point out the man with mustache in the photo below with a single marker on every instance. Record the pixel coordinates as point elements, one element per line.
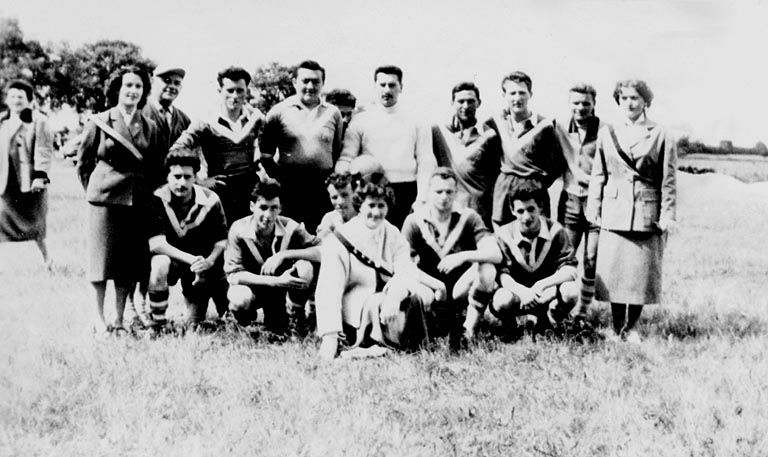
<point>396,140</point>
<point>308,134</point>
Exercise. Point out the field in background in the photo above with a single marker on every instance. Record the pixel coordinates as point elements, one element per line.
<point>747,168</point>
<point>696,386</point>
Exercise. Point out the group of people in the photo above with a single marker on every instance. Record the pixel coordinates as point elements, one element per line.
<point>379,230</point>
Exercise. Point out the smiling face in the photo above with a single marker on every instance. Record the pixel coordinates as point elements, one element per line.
<point>308,84</point>
<point>631,103</point>
<point>373,211</point>
<point>341,199</point>
<point>582,106</point>
<point>389,89</point>
<point>265,212</point>
<point>529,215</point>
<point>233,94</point>
<point>168,87</point>
<point>465,104</point>
<point>181,180</point>
<point>131,91</point>
<point>16,100</point>
<point>517,95</point>
<point>442,193</point>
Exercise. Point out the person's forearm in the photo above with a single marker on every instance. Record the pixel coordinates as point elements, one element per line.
<point>217,250</point>
<point>246,278</point>
<point>482,255</point>
<point>515,287</point>
<point>311,254</point>
<point>564,274</point>
<point>165,248</point>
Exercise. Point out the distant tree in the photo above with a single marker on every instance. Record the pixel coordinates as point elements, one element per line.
<point>726,146</point>
<point>22,59</point>
<point>93,63</point>
<point>271,84</point>
<point>761,149</point>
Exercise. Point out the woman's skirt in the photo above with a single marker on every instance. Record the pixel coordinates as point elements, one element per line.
<point>23,215</point>
<point>629,267</point>
<point>118,246</point>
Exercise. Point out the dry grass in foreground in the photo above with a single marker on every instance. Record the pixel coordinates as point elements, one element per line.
<point>696,386</point>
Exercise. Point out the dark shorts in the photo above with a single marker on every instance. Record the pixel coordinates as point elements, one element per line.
<point>570,212</point>
<point>207,286</point>
<point>405,195</point>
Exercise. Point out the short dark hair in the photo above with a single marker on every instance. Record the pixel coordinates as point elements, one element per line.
<point>376,187</point>
<point>529,189</point>
<point>444,173</point>
<point>116,82</point>
<point>234,74</point>
<point>518,77</point>
<point>584,88</point>
<point>266,189</point>
<point>465,85</point>
<point>389,70</point>
<point>182,157</point>
<point>20,84</point>
<point>341,97</point>
<point>340,180</point>
<point>309,65</point>
<point>639,85</point>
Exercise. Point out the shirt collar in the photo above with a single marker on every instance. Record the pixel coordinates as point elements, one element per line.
<point>127,118</point>
<point>517,236</point>
<point>295,101</point>
<point>252,227</point>
<point>641,121</point>
<point>240,122</point>
<point>164,193</point>
<point>160,107</point>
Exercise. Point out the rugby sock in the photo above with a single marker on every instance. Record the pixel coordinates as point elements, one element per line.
<point>587,295</point>
<point>478,302</point>
<point>158,304</point>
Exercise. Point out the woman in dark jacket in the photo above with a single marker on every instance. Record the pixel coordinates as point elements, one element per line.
<point>632,197</point>
<point>120,163</point>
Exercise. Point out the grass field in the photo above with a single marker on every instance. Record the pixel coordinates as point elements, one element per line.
<point>747,168</point>
<point>697,386</point>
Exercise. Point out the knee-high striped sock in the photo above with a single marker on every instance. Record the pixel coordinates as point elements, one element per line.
<point>158,304</point>
<point>587,295</point>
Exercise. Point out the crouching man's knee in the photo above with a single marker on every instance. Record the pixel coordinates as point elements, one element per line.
<point>567,298</point>
<point>240,300</point>
<point>160,265</point>
<point>505,304</point>
<point>486,278</point>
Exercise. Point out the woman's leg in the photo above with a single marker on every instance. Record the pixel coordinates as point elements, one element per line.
<point>122,289</point>
<point>633,315</point>
<point>619,312</point>
<point>99,289</point>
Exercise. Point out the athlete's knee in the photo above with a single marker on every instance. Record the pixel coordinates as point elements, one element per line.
<point>240,298</point>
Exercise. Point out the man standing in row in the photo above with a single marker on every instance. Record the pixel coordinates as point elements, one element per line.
<point>465,147</point>
<point>165,88</point>
<point>578,136</point>
<point>529,145</point>
<point>395,140</point>
<point>307,132</point>
<point>228,143</point>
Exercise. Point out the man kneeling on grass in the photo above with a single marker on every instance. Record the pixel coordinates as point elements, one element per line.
<point>538,274</point>
<point>189,232</point>
<point>268,262</point>
<point>454,246</point>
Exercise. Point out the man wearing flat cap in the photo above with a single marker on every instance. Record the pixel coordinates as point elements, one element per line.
<point>165,88</point>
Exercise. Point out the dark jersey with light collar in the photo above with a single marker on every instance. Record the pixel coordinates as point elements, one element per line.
<point>194,228</point>
<point>465,229</point>
<point>552,251</point>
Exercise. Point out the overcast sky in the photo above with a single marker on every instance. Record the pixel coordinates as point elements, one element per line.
<point>705,60</point>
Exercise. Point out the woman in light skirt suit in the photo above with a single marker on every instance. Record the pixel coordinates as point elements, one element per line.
<point>632,197</point>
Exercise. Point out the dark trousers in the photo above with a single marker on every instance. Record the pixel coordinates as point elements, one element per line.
<point>405,195</point>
